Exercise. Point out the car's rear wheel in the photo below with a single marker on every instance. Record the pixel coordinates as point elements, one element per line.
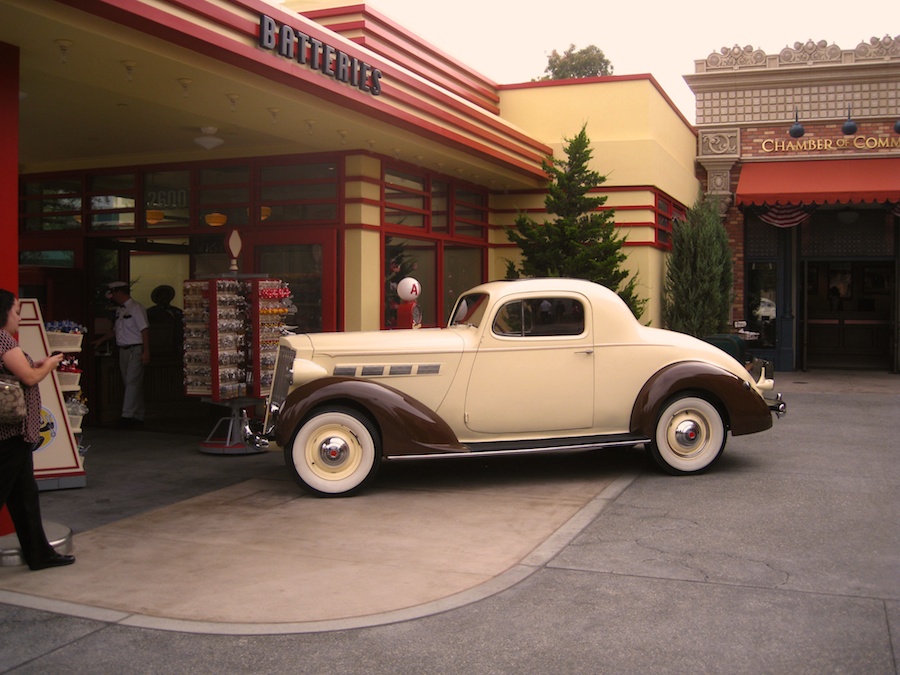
<point>690,436</point>
<point>335,452</point>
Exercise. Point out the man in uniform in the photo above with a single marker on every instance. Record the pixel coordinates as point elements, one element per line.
<point>131,331</point>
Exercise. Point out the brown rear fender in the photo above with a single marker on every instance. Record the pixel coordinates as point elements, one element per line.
<point>406,426</point>
<point>744,410</point>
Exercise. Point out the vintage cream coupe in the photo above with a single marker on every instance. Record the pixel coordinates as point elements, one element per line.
<point>530,365</point>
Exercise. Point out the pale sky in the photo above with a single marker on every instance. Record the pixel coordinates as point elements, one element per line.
<point>509,40</point>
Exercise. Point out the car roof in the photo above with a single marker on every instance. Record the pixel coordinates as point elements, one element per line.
<point>505,287</point>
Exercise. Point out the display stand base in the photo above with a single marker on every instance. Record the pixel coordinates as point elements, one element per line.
<point>59,536</point>
<point>227,437</point>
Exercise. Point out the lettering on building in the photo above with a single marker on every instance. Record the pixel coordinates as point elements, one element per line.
<point>296,45</point>
<point>826,144</point>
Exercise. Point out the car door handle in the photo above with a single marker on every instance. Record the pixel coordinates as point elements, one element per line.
<point>586,351</point>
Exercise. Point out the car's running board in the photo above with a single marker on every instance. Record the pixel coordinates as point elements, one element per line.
<point>532,446</point>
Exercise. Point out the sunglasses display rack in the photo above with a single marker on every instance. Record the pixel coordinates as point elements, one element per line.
<point>231,332</point>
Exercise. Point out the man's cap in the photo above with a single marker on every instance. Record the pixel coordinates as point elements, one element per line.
<point>116,285</point>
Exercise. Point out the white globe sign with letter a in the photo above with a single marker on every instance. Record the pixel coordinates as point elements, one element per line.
<point>408,289</point>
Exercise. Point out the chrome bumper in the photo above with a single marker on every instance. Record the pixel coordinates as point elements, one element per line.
<point>255,436</point>
<point>777,405</point>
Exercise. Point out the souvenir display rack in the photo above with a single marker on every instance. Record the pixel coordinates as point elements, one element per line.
<point>66,337</point>
<point>231,330</point>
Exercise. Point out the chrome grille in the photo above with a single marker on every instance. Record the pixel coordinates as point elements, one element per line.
<point>281,379</point>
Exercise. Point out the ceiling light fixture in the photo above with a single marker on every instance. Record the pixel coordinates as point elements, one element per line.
<point>129,69</point>
<point>209,140</point>
<point>63,46</point>
<point>215,219</point>
<point>185,83</point>
<point>155,216</point>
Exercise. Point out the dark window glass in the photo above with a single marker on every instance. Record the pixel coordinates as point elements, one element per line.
<point>47,258</point>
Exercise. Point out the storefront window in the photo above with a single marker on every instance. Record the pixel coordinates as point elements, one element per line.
<point>463,267</point>
<point>300,266</point>
<point>405,199</point>
<point>762,279</point>
<point>469,213</point>
<point>667,211</point>
<point>112,201</point>
<point>52,204</point>
<point>440,207</point>
<point>410,258</point>
<point>299,193</point>
<point>47,258</point>
<point>167,199</point>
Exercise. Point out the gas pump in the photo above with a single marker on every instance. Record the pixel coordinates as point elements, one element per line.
<point>409,314</point>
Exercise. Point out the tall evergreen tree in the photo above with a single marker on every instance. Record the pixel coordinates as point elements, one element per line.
<point>582,241</point>
<point>699,273</point>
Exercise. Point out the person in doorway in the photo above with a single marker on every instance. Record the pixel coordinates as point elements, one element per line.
<point>132,335</point>
<point>166,323</point>
<point>18,488</point>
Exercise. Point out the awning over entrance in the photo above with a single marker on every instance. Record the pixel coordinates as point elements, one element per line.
<point>820,182</point>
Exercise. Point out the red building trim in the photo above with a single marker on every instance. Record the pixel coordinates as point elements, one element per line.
<point>9,166</point>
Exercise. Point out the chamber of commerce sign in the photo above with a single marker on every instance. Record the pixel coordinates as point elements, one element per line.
<point>827,144</point>
<point>296,45</point>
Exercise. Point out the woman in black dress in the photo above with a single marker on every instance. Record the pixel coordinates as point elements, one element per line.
<point>18,488</point>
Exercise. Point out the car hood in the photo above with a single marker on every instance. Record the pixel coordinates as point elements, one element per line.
<point>420,362</point>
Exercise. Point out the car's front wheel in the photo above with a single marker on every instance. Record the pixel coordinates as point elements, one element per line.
<point>690,436</point>
<point>335,452</point>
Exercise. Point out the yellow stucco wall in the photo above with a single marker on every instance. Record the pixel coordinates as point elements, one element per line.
<point>362,248</point>
<point>637,137</point>
<point>638,140</point>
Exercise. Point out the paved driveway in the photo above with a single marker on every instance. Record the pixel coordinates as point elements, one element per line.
<point>783,559</point>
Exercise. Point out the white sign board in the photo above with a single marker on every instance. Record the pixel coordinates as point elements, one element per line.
<point>57,462</point>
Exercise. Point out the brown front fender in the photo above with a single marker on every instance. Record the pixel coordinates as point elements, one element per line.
<point>406,426</point>
<point>743,409</point>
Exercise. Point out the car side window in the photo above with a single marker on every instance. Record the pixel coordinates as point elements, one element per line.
<point>540,317</point>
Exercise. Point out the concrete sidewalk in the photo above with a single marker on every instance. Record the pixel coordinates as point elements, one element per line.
<point>784,558</point>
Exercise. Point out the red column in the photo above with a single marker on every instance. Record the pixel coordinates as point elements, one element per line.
<point>9,187</point>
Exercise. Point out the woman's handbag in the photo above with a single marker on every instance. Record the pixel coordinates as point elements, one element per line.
<point>12,400</point>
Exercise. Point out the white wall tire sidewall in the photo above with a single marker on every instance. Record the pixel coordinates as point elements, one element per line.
<point>333,480</point>
<point>711,429</point>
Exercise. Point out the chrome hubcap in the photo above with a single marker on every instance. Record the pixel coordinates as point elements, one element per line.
<point>334,450</point>
<point>687,434</point>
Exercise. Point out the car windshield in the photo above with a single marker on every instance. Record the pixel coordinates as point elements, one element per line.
<point>469,311</point>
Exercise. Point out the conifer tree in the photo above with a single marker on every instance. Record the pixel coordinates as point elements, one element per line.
<point>581,242</point>
<point>699,273</point>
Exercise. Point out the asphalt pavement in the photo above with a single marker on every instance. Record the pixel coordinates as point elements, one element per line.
<point>785,558</point>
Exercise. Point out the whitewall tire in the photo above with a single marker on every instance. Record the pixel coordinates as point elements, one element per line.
<point>690,436</point>
<point>335,452</point>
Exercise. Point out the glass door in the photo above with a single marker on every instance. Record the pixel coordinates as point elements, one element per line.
<point>307,262</point>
